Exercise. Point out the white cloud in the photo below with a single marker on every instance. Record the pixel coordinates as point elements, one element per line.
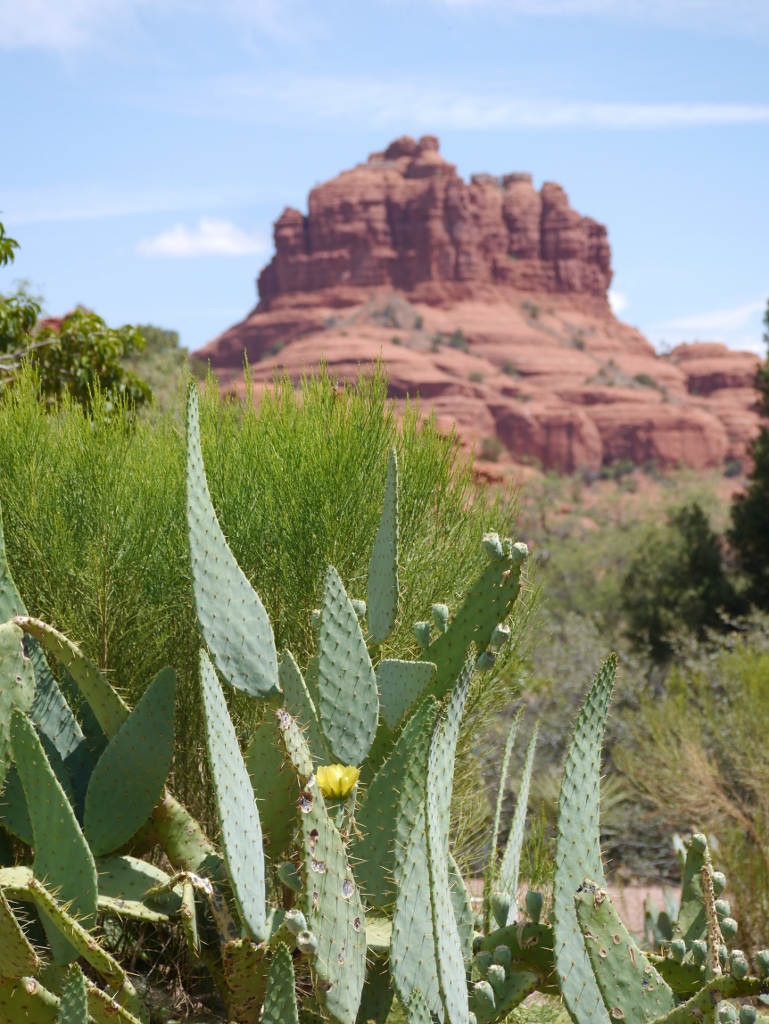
<point>69,24</point>
<point>618,302</point>
<point>738,327</point>
<point>212,237</point>
<point>60,24</point>
<point>740,15</point>
<point>717,320</point>
<point>422,106</point>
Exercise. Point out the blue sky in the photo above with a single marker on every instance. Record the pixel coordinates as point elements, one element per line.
<point>149,144</point>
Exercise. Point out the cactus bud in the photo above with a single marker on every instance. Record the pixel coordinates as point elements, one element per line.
<point>729,928</point>
<point>738,964</point>
<point>295,921</point>
<point>306,943</point>
<point>718,879</point>
<point>359,607</point>
<point>699,952</point>
<point>699,842</point>
<point>492,545</point>
<point>315,618</point>
<point>289,876</point>
<point>483,961</point>
<point>500,907</point>
<point>723,955</point>
<point>337,780</point>
<point>484,993</point>
<point>422,633</point>
<point>486,661</point>
<point>519,552</point>
<point>678,950</point>
<point>441,616</point>
<point>723,909</point>
<point>503,957</point>
<point>472,1019</point>
<point>762,962</point>
<point>534,905</point>
<point>748,1015</point>
<point>496,975</point>
<point>500,636</point>
<point>726,1013</point>
<point>478,939</point>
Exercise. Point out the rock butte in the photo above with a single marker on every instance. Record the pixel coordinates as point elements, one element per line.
<point>489,301</point>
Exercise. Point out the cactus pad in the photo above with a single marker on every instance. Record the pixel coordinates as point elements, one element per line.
<point>245,969</point>
<point>377,997</point>
<point>628,983</point>
<point>232,618</point>
<point>17,687</point>
<point>280,1000</point>
<point>274,787</point>
<point>62,857</point>
<point>578,849</point>
<point>463,911</point>
<point>378,815</point>
<point>128,878</point>
<point>238,816</point>
<point>73,1008</point>
<point>691,923</point>
<point>348,701</point>
<point>333,909</point>
<point>17,957</point>
<point>26,1001</point>
<point>487,603</point>
<point>400,683</point>
<point>490,885</point>
<point>511,860</point>
<point>107,705</point>
<point>440,773</point>
<point>383,567</point>
<point>129,776</point>
<point>300,705</point>
<point>418,1011</point>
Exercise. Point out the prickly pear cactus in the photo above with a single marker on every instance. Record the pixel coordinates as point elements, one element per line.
<point>578,849</point>
<point>232,618</point>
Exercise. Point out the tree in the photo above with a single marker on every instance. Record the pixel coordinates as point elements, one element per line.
<point>678,581</point>
<point>76,355</point>
<point>749,533</point>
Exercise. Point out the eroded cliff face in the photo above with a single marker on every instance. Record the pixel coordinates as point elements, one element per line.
<point>405,220</point>
<point>488,300</point>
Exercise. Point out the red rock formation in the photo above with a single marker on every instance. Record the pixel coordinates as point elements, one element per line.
<point>488,300</point>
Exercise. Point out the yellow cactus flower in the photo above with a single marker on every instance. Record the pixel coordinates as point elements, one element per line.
<point>337,780</point>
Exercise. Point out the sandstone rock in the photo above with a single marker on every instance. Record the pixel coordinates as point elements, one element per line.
<point>668,436</point>
<point>487,301</point>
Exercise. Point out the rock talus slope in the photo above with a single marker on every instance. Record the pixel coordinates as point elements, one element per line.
<point>488,300</point>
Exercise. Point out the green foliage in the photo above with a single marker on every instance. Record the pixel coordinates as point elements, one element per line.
<point>713,710</point>
<point>71,358</point>
<point>96,533</point>
<point>8,247</point>
<point>677,581</point>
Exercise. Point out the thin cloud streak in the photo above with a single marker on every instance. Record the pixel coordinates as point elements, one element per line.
<point>76,24</point>
<point>716,320</point>
<point>63,203</point>
<point>737,15</point>
<point>738,327</point>
<point>308,100</point>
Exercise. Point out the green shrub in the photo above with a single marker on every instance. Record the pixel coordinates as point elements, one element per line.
<point>96,533</point>
<point>698,756</point>
<point>678,580</point>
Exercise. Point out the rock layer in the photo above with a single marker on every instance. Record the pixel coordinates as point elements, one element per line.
<point>488,300</point>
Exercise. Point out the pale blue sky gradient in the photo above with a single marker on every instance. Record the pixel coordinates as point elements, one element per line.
<point>149,144</point>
